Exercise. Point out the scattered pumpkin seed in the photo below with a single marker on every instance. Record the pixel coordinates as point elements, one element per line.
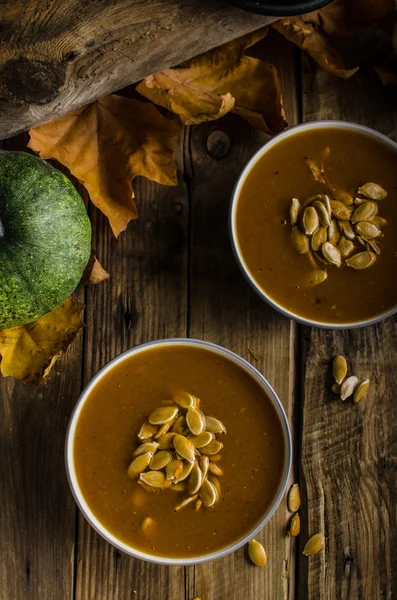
<point>216,457</point>
<point>178,487</point>
<point>164,429</point>
<point>331,254</point>
<point>184,472</point>
<point>333,232</point>
<point>364,212</point>
<point>310,220</point>
<point>147,524</point>
<point>294,498</point>
<point>166,441</point>
<point>373,245</point>
<point>160,460</point>
<point>340,211</point>
<point>322,211</point>
<point>184,399</point>
<point>315,277</point>
<point>174,469</point>
<point>208,494</point>
<point>195,479</point>
<point>162,415</point>
<point>348,387</point>
<point>346,247</point>
<point>199,504</point>
<point>147,431</point>
<point>335,388</point>
<point>319,237</point>
<point>379,221</point>
<point>186,502</point>
<point>214,425</point>
<point>368,230</point>
<point>215,482</point>
<point>295,525</point>
<point>180,425</point>
<point>184,447</point>
<point>146,447</point>
<point>373,191</point>
<point>215,470</point>
<point>195,421</point>
<point>257,553</point>
<point>294,210</point>
<point>361,390</point>
<point>300,241</point>
<point>362,260</point>
<point>347,229</point>
<point>202,439</point>
<point>339,368</point>
<point>139,464</point>
<point>212,448</point>
<point>155,479</point>
<point>314,545</point>
<point>204,462</point>
<point>342,196</point>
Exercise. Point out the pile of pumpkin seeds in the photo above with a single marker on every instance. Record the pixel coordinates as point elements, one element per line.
<point>179,450</point>
<point>338,228</point>
<point>344,386</point>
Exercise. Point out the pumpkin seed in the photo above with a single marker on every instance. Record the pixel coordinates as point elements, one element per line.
<point>310,220</point>
<point>339,368</point>
<point>173,469</point>
<point>184,447</point>
<point>331,254</point>
<point>164,429</point>
<point>184,399</point>
<point>319,238</point>
<point>379,221</point>
<point>146,447</point>
<point>294,498</point>
<point>316,170</point>
<point>160,460</point>
<point>314,277</point>
<point>362,260</point>
<point>148,488</point>
<point>294,210</point>
<point>333,232</point>
<point>208,494</point>
<point>340,211</point>
<point>199,504</point>
<point>346,247</point>
<point>373,191</point>
<point>360,390</point>
<point>178,487</point>
<point>186,502</point>
<point>139,464</point>
<point>202,439</point>
<point>204,462</point>
<point>323,214</point>
<point>358,201</point>
<point>195,479</point>
<point>147,431</point>
<point>300,241</point>
<point>295,525</point>
<point>214,425</point>
<point>368,230</point>
<point>162,415</point>
<point>155,479</point>
<point>347,229</point>
<point>374,246</point>
<point>335,388</point>
<point>212,448</point>
<point>257,553</point>
<point>184,472</point>
<point>364,212</point>
<point>166,441</point>
<point>213,468</point>
<point>215,482</point>
<point>348,387</point>
<point>342,196</point>
<point>216,457</point>
<point>180,425</point>
<point>147,524</point>
<point>314,545</point>
<point>195,421</point>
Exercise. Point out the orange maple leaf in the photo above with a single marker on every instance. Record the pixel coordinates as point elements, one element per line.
<point>219,81</point>
<point>105,145</point>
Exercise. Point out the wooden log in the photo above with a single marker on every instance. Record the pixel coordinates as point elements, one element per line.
<point>57,56</point>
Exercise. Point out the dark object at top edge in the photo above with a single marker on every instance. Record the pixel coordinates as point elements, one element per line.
<point>281,8</point>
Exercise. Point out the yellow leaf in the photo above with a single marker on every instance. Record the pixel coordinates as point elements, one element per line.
<point>94,272</point>
<point>302,32</point>
<point>219,81</point>
<point>105,145</point>
<point>29,351</point>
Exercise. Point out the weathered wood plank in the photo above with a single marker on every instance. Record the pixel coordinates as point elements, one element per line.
<point>57,56</point>
<point>223,309</point>
<point>348,451</point>
<point>144,299</point>
<point>37,514</point>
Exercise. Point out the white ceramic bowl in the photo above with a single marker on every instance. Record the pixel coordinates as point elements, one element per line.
<point>71,470</point>
<point>291,131</point>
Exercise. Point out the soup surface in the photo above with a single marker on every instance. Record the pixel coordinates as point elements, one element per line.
<point>264,231</point>
<point>106,436</point>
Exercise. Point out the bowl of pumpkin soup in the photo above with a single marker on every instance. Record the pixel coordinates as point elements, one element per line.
<point>313,224</point>
<point>178,452</point>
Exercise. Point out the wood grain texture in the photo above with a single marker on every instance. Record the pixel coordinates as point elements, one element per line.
<point>349,472</point>
<point>144,299</point>
<point>37,511</point>
<point>224,310</point>
<point>57,56</point>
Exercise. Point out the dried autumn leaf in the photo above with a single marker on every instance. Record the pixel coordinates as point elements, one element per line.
<point>219,81</point>
<point>105,145</point>
<point>302,32</point>
<point>29,351</point>
<point>94,272</point>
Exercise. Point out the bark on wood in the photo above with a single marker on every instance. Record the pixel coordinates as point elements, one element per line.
<point>57,56</point>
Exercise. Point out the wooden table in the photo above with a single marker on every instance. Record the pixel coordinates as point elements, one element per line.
<point>173,274</point>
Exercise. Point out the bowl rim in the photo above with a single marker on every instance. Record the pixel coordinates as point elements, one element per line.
<point>290,131</point>
<point>272,9</point>
<point>78,494</point>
